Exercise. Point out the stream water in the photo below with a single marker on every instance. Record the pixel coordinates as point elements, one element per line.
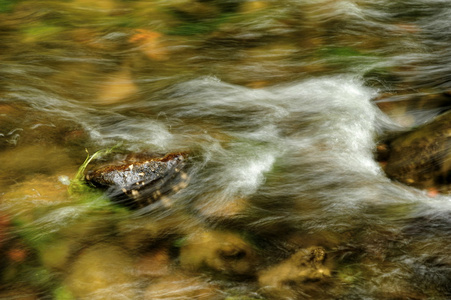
<point>280,105</point>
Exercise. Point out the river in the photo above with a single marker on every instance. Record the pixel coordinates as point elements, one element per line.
<point>280,106</point>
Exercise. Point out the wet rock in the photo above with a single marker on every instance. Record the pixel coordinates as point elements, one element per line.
<point>298,275</point>
<point>56,255</point>
<point>422,157</point>
<point>226,252</point>
<point>154,264</point>
<point>253,6</point>
<point>141,180</point>
<point>34,161</point>
<point>118,87</point>
<point>103,271</point>
<point>144,233</point>
<point>33,143</point>
<point>40,191</point>
<point>216,209</point>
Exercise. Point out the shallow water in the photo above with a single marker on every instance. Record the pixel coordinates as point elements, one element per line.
<point>280,106</point>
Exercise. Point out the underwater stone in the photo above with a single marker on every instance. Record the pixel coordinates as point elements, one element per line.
<point>222,251</point>
<point>422,157</point>
<point>297,275</point>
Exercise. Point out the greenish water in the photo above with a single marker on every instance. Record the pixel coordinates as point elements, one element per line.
<point>280,105</point>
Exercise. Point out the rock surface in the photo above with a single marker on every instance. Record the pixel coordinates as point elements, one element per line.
<point>295,275</point>
<point>225,252</point>
<point>422,157</point>
<point>102,271</point>
<point>139,181</point>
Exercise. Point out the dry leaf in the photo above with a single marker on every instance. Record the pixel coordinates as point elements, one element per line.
<point>150,43</point>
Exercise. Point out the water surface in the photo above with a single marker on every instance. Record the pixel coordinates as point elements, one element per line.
<point>280,105</point>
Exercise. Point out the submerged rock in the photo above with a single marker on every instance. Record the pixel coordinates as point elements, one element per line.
<point>224,252</point>
<point>139,181</point>
<point>22,125</point>
<point>422,157</point>
<point>300,274</point>
<point>103,271</point>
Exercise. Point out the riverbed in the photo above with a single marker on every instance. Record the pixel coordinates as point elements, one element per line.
<point>279,106</point>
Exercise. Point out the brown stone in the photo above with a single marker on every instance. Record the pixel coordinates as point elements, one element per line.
<point>422,156</point>
<point>141,180</point>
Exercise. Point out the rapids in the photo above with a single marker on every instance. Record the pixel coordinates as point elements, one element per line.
<point>280,104</point>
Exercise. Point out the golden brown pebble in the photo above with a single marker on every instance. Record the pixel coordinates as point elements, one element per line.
<point>183,185</point>
<point>319,254</point>
<point>297,274</point>
<point>166,201</point>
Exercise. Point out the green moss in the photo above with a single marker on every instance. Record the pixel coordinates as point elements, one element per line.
<point>180,242</point>
<point>341,51</point>
<point>62,293</point>
<point>32,232</point>
<point>78,184</point>
<point>92,199</point>
<point>7,5</point>
<point>40,31</point>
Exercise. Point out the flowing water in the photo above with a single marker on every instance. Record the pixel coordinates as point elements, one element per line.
<point>280,105</point>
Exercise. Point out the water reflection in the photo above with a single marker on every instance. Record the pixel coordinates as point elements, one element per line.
<point>280,107</point>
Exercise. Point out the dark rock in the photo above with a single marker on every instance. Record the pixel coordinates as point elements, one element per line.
<point>422,157</point>
<point>139,181</point>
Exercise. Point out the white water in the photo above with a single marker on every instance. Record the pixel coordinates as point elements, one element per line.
<point>287,165</point>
